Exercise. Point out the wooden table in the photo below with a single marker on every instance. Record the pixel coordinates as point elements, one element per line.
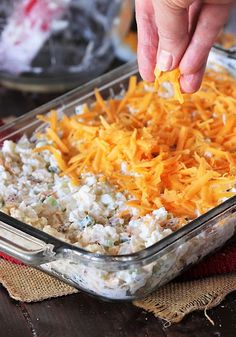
<point>82,316</point>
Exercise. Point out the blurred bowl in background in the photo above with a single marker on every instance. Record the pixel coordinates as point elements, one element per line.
<point>81,47</point>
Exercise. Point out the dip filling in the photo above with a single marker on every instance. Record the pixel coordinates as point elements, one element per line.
<point>120,175</point>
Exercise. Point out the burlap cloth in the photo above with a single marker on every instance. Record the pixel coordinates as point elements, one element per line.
<point>170,302</point>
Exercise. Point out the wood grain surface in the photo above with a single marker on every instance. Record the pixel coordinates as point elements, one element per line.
<point>82,316</point>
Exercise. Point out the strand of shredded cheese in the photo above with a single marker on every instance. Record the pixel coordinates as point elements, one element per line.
<point>172,77</point>
<point>182,157</point>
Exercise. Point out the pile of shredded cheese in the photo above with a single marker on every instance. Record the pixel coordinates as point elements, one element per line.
<point>226,39</point>
<point>182,157</point>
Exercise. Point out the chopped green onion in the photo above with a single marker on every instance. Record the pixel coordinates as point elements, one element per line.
<point>52,201</point>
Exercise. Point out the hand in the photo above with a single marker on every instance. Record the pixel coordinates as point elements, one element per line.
<point>178,33</point>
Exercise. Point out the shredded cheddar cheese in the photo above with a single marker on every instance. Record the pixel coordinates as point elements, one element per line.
<point>131,40</point>
<point>172,77</point>
<point>226,39</point>
<point>182,157</point>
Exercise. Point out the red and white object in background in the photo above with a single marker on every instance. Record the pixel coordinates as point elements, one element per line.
<point>29,27</point>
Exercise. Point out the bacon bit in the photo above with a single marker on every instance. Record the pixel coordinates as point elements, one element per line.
<point>181,157</point>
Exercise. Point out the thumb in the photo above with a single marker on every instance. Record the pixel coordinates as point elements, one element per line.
<point>172,22</point>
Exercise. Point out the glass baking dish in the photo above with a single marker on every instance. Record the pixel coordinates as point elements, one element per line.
<point>123,277</point>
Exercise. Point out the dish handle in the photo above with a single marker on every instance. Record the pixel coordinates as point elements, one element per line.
<point>24,247</point>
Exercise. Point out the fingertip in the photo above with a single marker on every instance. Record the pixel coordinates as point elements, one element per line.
<point>147,39</point>
<point>146,70</point>
<point>190,83</point>
<point>146,62</point>
<point>146,75</point>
